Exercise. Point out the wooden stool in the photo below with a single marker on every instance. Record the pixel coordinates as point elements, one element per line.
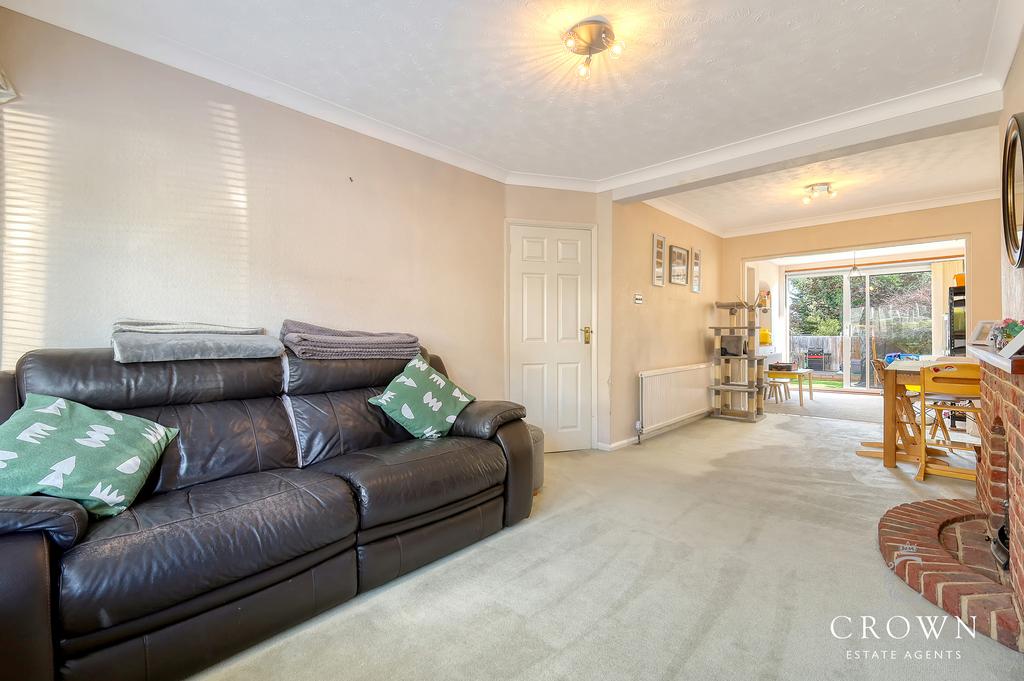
<point>777,387</point>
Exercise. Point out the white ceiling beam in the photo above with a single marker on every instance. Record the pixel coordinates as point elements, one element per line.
<point>1004,40</point>
<point>874,211</point>
<point>947,104</point>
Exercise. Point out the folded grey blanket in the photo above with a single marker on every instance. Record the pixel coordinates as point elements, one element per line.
<point>130,346</point>
<point>157,326</point>
<point>309,341</point>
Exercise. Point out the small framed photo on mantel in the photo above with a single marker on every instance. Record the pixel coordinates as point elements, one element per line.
<point>982,332</point>
<point>658,260</point>
<point>679,265</point>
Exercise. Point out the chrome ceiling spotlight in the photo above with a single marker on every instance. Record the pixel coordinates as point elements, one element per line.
<point>589,37</point>
<point>818,189</point>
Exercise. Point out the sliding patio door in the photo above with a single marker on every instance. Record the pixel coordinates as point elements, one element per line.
<point>898,305</point>
<point>841,320</point>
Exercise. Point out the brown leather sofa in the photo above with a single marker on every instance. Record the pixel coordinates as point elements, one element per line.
<point>283,495</point>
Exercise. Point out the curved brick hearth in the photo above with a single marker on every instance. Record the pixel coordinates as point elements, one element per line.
<point>910,539</point>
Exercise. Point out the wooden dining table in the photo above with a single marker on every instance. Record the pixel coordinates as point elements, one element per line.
<point>800,375</point>
<point>899,374</point>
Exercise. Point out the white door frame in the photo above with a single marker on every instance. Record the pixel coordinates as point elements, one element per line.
<point>592,228</point>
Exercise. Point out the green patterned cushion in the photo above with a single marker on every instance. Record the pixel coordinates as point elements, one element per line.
<point>423,401</point>
<point>64,449</point>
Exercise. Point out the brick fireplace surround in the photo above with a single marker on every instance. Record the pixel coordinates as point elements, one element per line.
<point>1001,463</point>
<point>940,547</point>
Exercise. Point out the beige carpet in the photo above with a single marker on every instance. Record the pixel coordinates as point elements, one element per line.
<point>717,551</point>
<point>830,405</point>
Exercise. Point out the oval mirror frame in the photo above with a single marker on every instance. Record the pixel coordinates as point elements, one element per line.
<point>1013,153</point>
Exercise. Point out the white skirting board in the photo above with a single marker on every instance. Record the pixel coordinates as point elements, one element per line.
<point>611,447</point>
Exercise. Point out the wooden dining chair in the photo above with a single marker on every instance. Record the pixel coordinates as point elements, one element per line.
<point>952,387</point>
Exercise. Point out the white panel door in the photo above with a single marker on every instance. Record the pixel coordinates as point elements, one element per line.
<point>550,303</point>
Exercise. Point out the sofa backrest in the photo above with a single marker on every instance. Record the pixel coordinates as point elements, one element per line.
<point>229,412</point>
<point>328,403</point>
<point>8,395</point>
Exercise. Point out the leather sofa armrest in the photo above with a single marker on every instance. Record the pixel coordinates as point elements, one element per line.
<point>483,418</point>
<point>26,618</point>
<point>514,438</point>
<point>64,521</point>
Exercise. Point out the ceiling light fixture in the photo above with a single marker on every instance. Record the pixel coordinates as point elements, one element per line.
<point>813,191</point>
<point>854,271</point>
<point>589,37</point>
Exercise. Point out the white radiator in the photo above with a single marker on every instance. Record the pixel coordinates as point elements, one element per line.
<point>675,394</point>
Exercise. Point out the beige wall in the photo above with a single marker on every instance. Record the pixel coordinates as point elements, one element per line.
<point>1012,279</point>
<point>550,205</point>
<point>670,327</point>
<point>976,222</point>
<point>134,189</point>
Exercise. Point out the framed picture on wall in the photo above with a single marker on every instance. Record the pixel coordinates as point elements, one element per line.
<point>679,265</point>
<point>695,272</point>
<point>658,261</point>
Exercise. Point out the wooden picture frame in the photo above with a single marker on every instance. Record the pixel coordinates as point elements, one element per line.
<point>679,265</point>
<point>695,271</point>
<point>658,260</point>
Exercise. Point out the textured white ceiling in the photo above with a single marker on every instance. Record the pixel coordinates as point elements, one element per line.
<point>489,80</point>
<point>941,170</point>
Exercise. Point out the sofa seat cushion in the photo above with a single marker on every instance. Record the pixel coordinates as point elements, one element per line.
<point>176,546</point>
<point>404,479</point>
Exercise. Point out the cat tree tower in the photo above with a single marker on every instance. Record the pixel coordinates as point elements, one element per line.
<point>738,388</point>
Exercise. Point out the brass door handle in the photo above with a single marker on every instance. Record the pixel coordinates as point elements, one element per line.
<point>587,332</point>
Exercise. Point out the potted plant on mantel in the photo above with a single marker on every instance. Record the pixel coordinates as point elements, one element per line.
<point>1007,337</point>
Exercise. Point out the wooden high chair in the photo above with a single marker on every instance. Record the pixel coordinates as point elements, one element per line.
<point>911,393</point>
<point>907,434</point>
<point>943,386</point>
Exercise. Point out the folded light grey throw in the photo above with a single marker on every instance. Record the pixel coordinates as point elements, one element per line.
<point>163,346</point>
<point>310,341</point>
<point>159,326</point>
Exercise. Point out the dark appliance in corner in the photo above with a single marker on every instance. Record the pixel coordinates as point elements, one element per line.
<point>956,336</point>
<point>956,332</point>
